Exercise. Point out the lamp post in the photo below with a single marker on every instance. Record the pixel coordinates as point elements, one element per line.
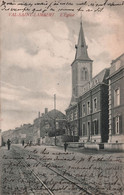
<point>55,116</point>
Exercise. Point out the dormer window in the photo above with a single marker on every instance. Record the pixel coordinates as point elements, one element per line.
<point>96,81</point>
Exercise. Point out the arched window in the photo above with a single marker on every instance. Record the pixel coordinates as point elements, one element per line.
<point>84,74</point>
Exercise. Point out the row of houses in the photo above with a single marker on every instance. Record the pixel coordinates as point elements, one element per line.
<point>48,124</point>
<point>96,109</point>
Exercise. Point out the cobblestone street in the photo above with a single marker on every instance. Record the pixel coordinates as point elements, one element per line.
<point>62,172</point>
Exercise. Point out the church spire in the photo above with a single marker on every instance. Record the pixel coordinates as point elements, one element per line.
<point>81,47</point>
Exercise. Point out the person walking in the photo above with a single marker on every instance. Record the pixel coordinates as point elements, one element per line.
<point>8,144</point>
<point>65,146</point>
<point>23,142</point>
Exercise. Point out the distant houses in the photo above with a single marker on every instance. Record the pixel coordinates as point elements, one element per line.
<point>51,124</point>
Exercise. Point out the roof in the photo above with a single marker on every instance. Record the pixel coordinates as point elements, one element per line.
<point>98,79</point>
<point>53,114</point>
<point>81,47</point>
<point>113,61</point>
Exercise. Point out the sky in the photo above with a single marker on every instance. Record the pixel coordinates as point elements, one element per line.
<point>36,57</point>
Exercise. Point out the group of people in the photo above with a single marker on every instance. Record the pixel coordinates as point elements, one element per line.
<point>9,143</point>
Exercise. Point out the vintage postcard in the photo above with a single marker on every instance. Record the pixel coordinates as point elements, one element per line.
<point>61,97</point>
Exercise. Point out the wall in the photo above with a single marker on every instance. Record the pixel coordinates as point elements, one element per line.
<point>0,137</point>
<point>118,147</point>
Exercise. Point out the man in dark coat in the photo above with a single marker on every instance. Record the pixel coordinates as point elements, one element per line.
<point>65,146</point>
<point>8,144</point>
<point>23,142</point>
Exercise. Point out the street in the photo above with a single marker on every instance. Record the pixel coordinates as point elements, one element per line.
<point>43,170</point>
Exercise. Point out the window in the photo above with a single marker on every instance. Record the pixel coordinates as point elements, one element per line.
<point>95,127</point>
<point>117,97</point>
<point>57,125</point>
<point>73,90</point>
<point>75,114</point>
<point>84,129</point>
<point>117,125</point>
<point>68,117</point>
<point>96,81</point>
<point>95,105</point>
<point>88,107</point>
<point>71,117</point>
<point>88,131</point>
<point>83,110</point>
<point>84,74</point>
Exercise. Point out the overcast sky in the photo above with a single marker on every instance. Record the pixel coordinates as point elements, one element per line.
<point>36,54</point>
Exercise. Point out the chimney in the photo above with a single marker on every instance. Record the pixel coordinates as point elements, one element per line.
<point>38,114</point>
<point>46,110</point>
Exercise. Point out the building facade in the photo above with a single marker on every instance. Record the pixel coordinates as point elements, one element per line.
<point>0,137</point>
<point>116,101</point>
<point>87,114</point>
<point>93,110</point>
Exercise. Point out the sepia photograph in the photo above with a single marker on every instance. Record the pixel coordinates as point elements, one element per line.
<point>62,97</point>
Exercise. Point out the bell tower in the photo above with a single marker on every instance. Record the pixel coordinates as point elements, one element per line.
<point>81,67</point>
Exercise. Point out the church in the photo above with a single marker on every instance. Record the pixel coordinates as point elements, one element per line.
<point>88,112</point>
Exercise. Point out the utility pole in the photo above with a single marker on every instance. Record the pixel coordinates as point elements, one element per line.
<point>55,116</point>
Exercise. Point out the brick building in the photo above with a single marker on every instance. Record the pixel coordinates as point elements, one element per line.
<point>116,101</point>
<point>93,109</point>
<point>87,114</point>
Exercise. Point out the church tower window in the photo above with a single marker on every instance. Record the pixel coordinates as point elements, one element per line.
<point>84,74</point>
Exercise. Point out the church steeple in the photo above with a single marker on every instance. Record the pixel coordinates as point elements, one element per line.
<point>81,47</point>
<point>81,67</point>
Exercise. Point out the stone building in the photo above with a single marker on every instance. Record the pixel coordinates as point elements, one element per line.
<point>116,101</point>
<point>87,113</point>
